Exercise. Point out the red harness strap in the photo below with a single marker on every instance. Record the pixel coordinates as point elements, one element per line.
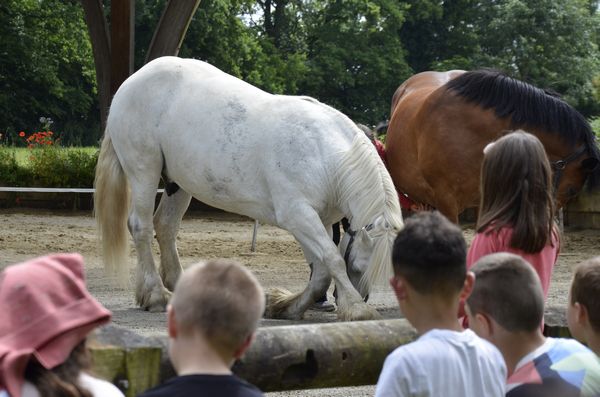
<point>406,202</point>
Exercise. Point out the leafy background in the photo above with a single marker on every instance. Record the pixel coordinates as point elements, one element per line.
<point>351,54</point>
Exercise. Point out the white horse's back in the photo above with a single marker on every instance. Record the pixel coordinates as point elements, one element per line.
<point>228,143</point>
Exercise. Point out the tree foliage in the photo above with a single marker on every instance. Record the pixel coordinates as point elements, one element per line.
<point>355,56</point>
<point>351,54</point>
<point>552,44</point>
<point>46,68</point>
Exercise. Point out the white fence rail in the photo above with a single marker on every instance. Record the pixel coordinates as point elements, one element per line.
<point>9,189</point>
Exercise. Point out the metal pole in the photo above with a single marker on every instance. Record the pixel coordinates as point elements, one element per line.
<point>253,246</point>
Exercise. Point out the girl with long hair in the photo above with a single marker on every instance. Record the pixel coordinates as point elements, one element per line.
<point>516,212</point>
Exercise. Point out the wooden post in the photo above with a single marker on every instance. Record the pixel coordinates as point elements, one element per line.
<point>121,41</point>
<point>98,31</point>
<point>172,27</point>
<point>114,55</point>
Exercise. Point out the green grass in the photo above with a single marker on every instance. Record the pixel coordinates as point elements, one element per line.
<point>22,154</point>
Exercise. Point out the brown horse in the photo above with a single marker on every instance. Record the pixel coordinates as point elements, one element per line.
<point>441,121</point>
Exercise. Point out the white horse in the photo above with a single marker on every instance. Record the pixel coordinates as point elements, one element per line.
<point>288,161</point>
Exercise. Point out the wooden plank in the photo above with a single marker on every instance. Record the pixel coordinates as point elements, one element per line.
<point>584,211</point>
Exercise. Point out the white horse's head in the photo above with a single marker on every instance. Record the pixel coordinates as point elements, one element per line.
<point>368,254</point>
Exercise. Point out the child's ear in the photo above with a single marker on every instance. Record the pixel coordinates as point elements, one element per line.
<point>484,326</point>
<point>242,349</point>
<point>171,323</point>
<point>399,287</point>
<point>581,313</point>
<point>467,286</point>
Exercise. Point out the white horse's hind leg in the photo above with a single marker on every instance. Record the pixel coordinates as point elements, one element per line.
<point>167,219</point>
<point>150,292</point>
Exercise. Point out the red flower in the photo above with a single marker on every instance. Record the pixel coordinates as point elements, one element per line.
<point>21,134</point>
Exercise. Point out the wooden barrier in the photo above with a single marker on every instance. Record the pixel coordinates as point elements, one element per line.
<point>130,361</point>
<point>321,355</point>
<point>281,357</point>
<point>65,198</point>
<point>584,211</point>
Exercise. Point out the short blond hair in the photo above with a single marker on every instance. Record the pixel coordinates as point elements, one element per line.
<point>221,299</point>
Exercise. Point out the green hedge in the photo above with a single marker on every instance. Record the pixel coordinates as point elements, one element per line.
<point>48,167</point>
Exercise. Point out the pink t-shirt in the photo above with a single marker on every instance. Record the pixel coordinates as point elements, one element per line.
<point>543,262</point>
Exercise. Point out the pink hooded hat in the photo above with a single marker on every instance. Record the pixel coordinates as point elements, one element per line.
<point>45,311</point>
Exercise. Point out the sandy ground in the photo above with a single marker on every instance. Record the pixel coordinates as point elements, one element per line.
<point>278,262</point>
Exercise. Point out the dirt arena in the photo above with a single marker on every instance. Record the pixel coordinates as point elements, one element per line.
<point>278,261</point>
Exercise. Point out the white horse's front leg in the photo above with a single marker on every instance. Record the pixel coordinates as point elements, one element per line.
<point>319,249</point>
<point>351,306</point>
<point>150,292</point>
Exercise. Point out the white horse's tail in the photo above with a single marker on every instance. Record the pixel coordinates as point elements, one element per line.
<point>111,208</point>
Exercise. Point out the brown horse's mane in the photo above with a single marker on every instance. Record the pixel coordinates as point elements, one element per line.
<point>527,106</point>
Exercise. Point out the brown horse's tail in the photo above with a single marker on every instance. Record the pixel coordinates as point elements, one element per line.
<point>111,207</point>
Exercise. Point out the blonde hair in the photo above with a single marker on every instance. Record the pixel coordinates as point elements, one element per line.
<point>221,299</point>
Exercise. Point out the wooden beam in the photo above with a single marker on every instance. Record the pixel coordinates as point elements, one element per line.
<point>172,27</point>
<point>121,41</point>
<point>289,357</point>
<point>98,30</point>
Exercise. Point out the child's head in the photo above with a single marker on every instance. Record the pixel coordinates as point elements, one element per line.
<point>508,292</point>
<point>46,313</point>
<point>219,300</point>
<point>430,255</point>
<point>584,299</point>
<point>516,190</point>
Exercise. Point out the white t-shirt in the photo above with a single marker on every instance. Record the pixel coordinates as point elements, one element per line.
<point>444,363</point>
<point>98,388</point>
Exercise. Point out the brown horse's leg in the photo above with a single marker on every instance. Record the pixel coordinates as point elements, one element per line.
<point>449,209</point>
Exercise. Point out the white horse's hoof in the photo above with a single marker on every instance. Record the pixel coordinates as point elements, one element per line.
<point>358,312</point>
<point>155,301</point>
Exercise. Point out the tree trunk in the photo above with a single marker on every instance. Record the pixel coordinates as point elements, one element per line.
<point>114,63</point>
<point>122,21</point>
<point>98,31</point>
<point>172,27</point>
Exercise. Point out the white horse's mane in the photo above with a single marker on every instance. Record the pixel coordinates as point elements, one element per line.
<point>373,200</point>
